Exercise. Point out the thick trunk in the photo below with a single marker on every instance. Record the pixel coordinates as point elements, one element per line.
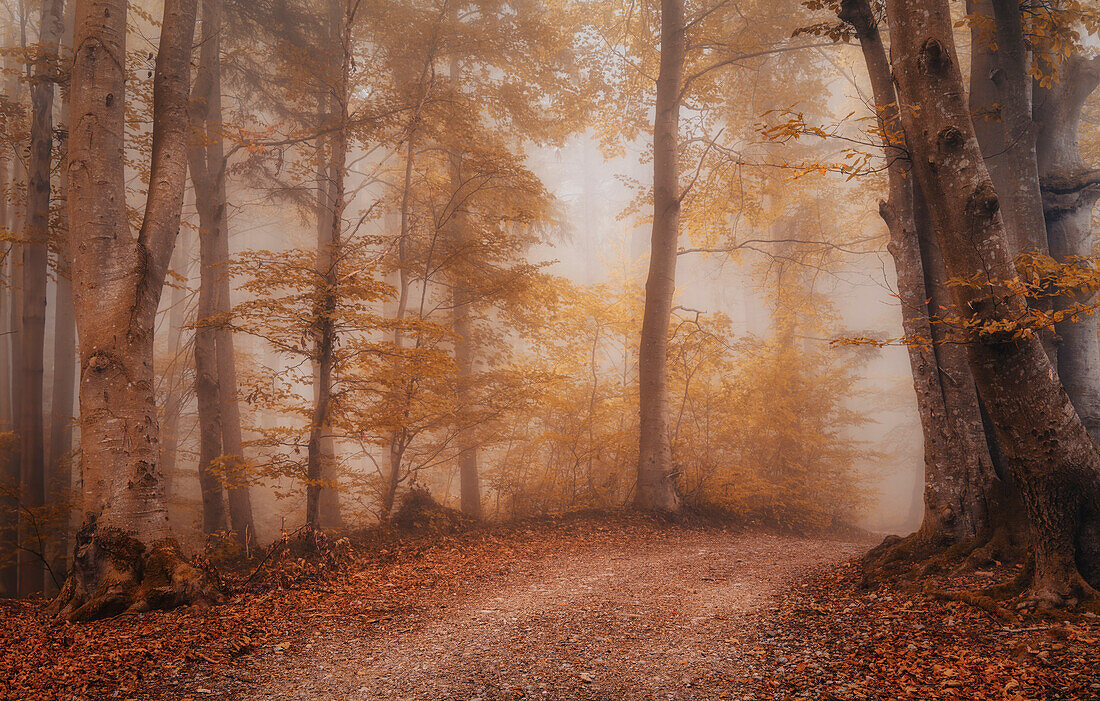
<point>1022,204</point>
<point>124,557</point>
<point>1053,461</point>
<point>958,471</point>
<point>657,488</point>
<point>36,231</point>
<point>1068,202</point>
<point>1000,104</point>
<point>972,491</point>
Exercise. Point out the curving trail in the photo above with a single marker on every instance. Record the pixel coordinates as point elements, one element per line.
<point>673,617</point>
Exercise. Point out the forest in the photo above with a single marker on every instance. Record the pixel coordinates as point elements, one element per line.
<point>549,349</point>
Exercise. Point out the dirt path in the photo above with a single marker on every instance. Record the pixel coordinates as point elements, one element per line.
<point>671,619</point>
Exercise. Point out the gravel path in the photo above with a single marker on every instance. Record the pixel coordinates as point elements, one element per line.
<point>671,618</point>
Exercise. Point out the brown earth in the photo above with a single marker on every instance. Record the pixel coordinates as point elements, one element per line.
<point>661,617</point>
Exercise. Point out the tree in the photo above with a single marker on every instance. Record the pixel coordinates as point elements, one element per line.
<point>959,478</point>
<point>32,452</point>
<point>1070,189</point>
<point>215,359</point>
<point>656,473</point>
<point>1053,461</point>
<point>125,557</point>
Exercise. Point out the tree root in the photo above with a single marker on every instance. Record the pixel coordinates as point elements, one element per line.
<point>115,573</point>
<point>985,603</point>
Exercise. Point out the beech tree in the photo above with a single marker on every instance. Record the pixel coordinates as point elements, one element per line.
<point>125,557</point>
<point>215,358</point>
<point>656,473</point>
<point>961,485</point>
<point>36,229</point>
<point>1053,461</point>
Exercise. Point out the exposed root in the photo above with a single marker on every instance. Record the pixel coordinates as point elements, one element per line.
<point>1047,594</point>
<point>896,556</point>
<point>981,601</point>
<point>115,573</point>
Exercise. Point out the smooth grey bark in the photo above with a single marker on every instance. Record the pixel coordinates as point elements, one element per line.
<point>657,489</point>
<point>175,395</point>
<point>1069,196</point>
<point>62,411</point>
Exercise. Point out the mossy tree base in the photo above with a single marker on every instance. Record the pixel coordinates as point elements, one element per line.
<point>115,573</point>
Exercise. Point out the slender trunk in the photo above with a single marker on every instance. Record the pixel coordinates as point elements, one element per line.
<point>15,384</point>
<point>9,465</point>
<point>397,436</point>
<point>62,409</point>
<point>469,481</point>
<point>206,375</point>
<point>240,501</point>
<point>1068,200</point>
<point>657,488</point>
<point>207,162</point>
<point>176,394</point>
<point>36,231</point>
<point>1054,463</point>
<point>322,496</point>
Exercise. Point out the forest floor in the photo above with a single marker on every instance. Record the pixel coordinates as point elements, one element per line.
<point>570,609</point>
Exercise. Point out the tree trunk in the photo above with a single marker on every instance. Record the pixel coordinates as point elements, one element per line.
<point>657,488</point>
<point>1068,200</point>
<point>469,479</point>
<point>1053,461</point>
<point>36,232</point>
<point>9,463</point>
<point>124,556</point>
<point>207,159</point>
<point>61,409</point>
<point>240,501</point>
<point>322,496</point>
<point>175,395</point>
<point>206,373</point>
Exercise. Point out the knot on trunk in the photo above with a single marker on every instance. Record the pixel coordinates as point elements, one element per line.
<point>934,58</point>
<point>983,203</point>
<point>99,361</point>
<point>950,139</point>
